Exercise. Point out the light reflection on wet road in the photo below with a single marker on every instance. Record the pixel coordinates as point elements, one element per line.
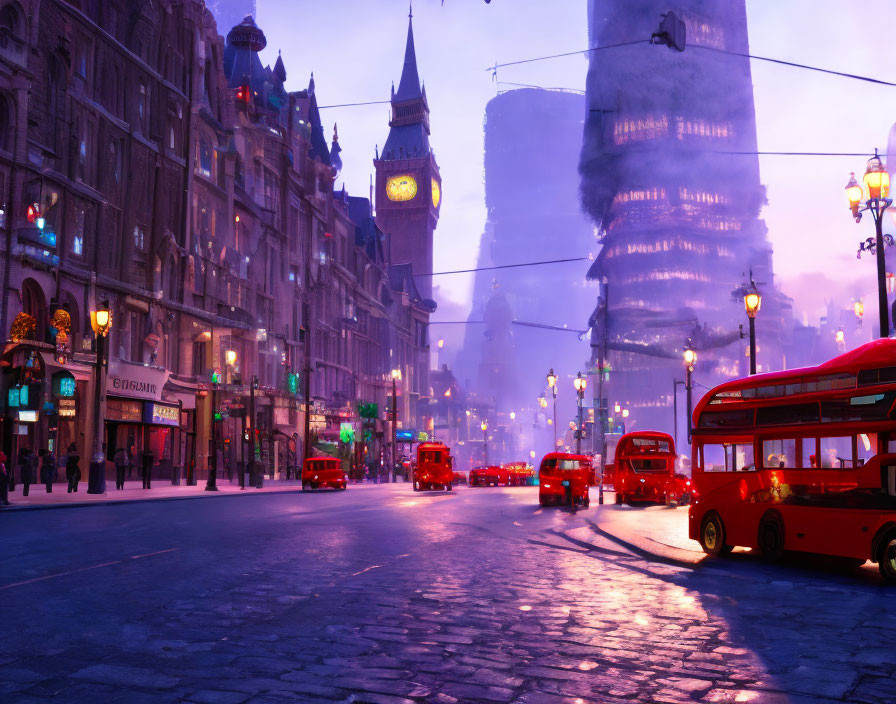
<point>389,596</point>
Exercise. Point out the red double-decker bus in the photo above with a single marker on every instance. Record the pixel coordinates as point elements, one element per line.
<point>801,460</point>
<point>644,469</point>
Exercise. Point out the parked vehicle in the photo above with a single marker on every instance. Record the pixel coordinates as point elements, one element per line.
<point>564,479</point>
<point>322,473</point>
<point>458,477</point>
<point>801,460</point>
<point>521,474</point>
<point>492,475</point>
<point>434,468</point>
<point>644,470</point>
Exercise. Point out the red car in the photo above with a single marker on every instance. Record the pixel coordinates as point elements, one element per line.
<point>489,476</point>
<point>434,468</point>
<point>323,472</point>
<point>521,473</point>
<point>563,478</point>
<point>644,470</point>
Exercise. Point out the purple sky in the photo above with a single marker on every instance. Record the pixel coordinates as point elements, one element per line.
<point>355,48</point>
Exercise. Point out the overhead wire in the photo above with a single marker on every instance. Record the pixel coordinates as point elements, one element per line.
<point>507,266</point>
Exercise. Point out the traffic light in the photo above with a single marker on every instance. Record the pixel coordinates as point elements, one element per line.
<point>243,94</point>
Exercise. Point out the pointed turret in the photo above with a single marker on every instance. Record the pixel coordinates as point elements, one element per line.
<point>409,85</point>
<point>280,69</point>
<point>335,159</point>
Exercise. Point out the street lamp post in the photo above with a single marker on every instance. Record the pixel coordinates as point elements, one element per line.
<point>690,360</point>
<point>675,384</point>
<point>396,376</point>
<point>251,464</point>
<point>552,384</point>
<point>484,427</point>
<point>877,188</point>
<point>752,303</point>
<point>858,307</point>
<point>211,484</point>
<point>101,321</point>
<point>580,383</point>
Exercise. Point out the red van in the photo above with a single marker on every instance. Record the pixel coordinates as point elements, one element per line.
<point>562,476</point>
<point>644,469</point>
<point>323,472</point>
<point>493,475</point>
<point>434,468</point>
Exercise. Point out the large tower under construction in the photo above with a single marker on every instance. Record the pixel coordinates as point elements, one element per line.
<point>670,176</point>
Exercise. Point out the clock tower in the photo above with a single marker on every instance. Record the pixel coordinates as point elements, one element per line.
<point>408,185</point>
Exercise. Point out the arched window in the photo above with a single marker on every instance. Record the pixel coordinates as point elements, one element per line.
<point>6,123</point>
<point>11,19</point>
<point>34,303</point>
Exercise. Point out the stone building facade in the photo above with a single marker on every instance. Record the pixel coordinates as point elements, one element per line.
<point>151,164</point>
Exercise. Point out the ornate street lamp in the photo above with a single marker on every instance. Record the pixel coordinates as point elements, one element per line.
<point>690,361</point>
<point>752,303</point>
<point>552,384</point>
<point>858,307</point>
<point>101,322</point>
<point>396,377</point>
<point>876,191</point>
<point>580,383</point>
<point>484,427</point>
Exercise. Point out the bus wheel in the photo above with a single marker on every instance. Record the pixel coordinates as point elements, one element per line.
<point>886,557</point>
<point>771,537</point>
<point>304,486</point>
<point>712,535</point>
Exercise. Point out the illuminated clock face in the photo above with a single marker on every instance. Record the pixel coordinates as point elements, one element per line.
<point>401,188</point>
<point>436,193</point>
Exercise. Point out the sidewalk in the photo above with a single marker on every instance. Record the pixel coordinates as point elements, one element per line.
<point>133,492</point>
<point>659,531</point>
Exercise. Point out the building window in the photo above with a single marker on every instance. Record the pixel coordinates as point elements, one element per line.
<point>205,157</point>
<point>10,20</point>
<point>141,103</point>
<point>139,238</point>
<point>6,122</point>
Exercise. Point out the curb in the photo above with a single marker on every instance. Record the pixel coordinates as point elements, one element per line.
<point>670,556</point>
<point>118,502</point>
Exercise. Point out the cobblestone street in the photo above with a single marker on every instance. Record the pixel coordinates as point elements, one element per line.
<point>387,596</point>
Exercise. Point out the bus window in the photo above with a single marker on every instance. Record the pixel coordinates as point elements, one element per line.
<point>714,458</point>
<point>836,453</point>
<point>810,453</point>
<point>866,447</point>
<point>728,458</point>
<point>779,454</point>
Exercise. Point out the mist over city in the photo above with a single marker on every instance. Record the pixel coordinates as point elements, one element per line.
<point>390,352</point>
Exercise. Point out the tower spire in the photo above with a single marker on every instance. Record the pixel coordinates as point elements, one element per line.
<point>409,85</point>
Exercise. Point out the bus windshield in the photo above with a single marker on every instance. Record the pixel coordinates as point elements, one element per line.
<point>649,445</point>
<point>553,465</point>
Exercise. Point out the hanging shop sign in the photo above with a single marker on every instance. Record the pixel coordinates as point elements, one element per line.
<point>66,408</point>
<point>161,414</point>
<point>27,416</point>
<point>135,380</point>
<point>64,385</point>
<point>346,433</point>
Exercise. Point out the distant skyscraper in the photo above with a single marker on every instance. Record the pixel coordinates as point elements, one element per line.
<point>532,144</point>
<point>670,176</point>
<point>229,13</point>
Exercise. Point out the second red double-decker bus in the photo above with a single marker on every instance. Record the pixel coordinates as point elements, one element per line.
<point>434,468</point>
<point>801,460</point>
<point>564,479</point>
<point>644,469</point>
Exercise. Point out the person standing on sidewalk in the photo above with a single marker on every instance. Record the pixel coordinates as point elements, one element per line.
<point>148,458</point>
<point>4,481</point>
<point>25,470</point>
<point>47,469</point>
<point>121,464</point>
<point>72,470</point>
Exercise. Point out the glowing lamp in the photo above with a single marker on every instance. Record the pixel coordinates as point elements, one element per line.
<point>101,319</point>
<point>840,337</point>
<point>690,358</point>
<point>513,415</point>
<point>230,357</point>
<point>877,180</point>
<point>542,401</point>
<point>752,301</point>
<point>532,454</point>
<point>468,413</point>
<point>441,344</point>
<point>617,408</point>
<point>552,378</point>
<point>483,426</point>
<point>625,413</point>
<point>859,308</point>
<point>853,193</point>
<point>396,374</point>
<point>580,382</point>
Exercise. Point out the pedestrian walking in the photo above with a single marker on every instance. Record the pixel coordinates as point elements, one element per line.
<point>47,469</point>
<point>25,470</point>
<point>148,459</point>
<point>4,481</point>
<point>121,461</point>
<point>72,470</point>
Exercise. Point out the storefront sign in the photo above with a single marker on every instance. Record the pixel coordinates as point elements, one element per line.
<point>135,381</point>
<point>18,396</point>
<point>27,416</point>
<point>161,414</point>
<point>346,433</point>
<point>123,410</point>
<point>404,435</point>
<point>64,385</point>
<point>66,408</point>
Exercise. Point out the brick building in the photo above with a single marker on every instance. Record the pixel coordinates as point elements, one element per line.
<point>148,163</point>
